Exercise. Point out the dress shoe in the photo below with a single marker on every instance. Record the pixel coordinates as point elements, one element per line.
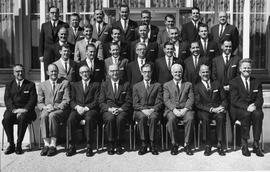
<point>207,151</point>
<point>188,150</point>
<point>89,152</point>
<point>153,150</point>
<point>110,151</point>
<point>245,151</point>
<point>44,151</point>
<point>71,151</point>
<point>19,150</point>
<point>174,150</point>
<point>221,151</point>
<point>10,149</point>
<point>258,151</point>
<point>142,150</point>
<point>119,150</point>
<point>52,151</point>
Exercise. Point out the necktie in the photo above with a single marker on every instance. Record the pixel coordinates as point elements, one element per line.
<point>227,59</point>
<point>169,63</point>
<point>221,30</point>
<point>125,25</point>
<point>75,31</point>
<point>246,81</point>
<point>177,86</point>
<point>19,85</point>
<point>66,67</point>
<point>207,85</point>
<point>196,61</point>
<point>99,28</point>
<point>84,86</point>
<point>147,85</point>
<point>115,88</point>
<point>53,86</point>
<point>141,62</point>
<point>92,66</point>
<point>204,46</point>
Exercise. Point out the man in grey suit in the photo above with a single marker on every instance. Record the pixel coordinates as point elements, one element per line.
<point>163,35</point>
<point>75,32</point>
<point>178,99</point>
<point>53,101</point>
<point>100,28</point>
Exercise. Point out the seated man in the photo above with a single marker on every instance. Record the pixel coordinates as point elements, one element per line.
<point>53,101</point>
<point>178,99</point>
<point>20,100</point>
<point>115,103</point>
<point>147,104</point>
<point>84,105</point>
<point>246,106</point>
<point>210,101</point>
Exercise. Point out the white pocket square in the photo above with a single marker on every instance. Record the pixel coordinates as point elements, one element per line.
<point>212,50</point>
<point>254,91</point>
<point>97,70</point>
<point>215,91</point>
<point>26,92</point>
<point>228,34</point>
<point>233,65</point>
<point>121,68</point>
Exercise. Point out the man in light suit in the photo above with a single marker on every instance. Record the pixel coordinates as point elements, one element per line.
<point>246,106</point>
<point>84,105</point>
<point>190,29</point>
<point>179,99</point>
<point>75,32</point>
<point>96,66</point>
<point>151,52</point>
<point>80,47</point>
<point>163,35</point>
<point>101,29</point>
<point>211,103</point>
<point>148,105</point>
<point>224,30</point>
<point>127,25</point>
<point>117,59</point>
<point>20,99</point>
<point>53,102</point>
<point>49,36</point>
<point>115,102</point>
<point>66,66</point>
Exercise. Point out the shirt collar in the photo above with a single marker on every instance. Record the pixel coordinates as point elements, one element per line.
<point>63,62</point>
<point>224,55</point>
<point>244,79</point>
<point>117,82</point>
<point>87,82</point>
<point>21,82</point>
<point>177,81</point>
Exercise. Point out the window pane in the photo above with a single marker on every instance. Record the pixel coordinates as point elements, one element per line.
<point>35,29</point>
<point>168,3</point>
<point>83,5</point>
<point>130,3</point>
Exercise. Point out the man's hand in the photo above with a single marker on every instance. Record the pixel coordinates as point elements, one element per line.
<point>177,112</point>
<point>183,111</point>
<point>49,108</point>
<point>226,88</point>
<point>80,109</point>
<point>148,112</point>
<point>220,109</point>
<point>251,107</point>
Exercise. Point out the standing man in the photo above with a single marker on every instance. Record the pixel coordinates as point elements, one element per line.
<point>190,29</point>
<point>246,106</point>
<point>20,100</point>
<point>179,99</point>
<point>75,32</point>
<point>224,30</point>
<point>115,102</point>
<point>53,102</point>
<point>49,36</point>
<point>163,35</point>
<point>100,28</point>
<point>127,25</point>
<point>84,105</point>
<point>147,104</point>
<point>211,104</point>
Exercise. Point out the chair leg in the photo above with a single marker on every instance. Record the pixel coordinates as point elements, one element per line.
<point>3,135</point>
<point>97,137</point>
<point>130,137</point>
<point>234,137</point>
<point>30,140</point>
<point>166,138</point>
<point>199,134</point>
<point>134,136</point>
<point>67,137</point>
<point>162,139</point>
<point>102,137</point>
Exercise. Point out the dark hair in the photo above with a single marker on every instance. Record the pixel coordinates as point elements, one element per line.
<point>65,46</point>
<point>146,11</point>
<point>88,26</point>
<point>203,25</point>
<point>146,65</point>
<point>114,43</point>
<point>90,45</point>
<point>170,16</point>
<point>167,43</point>
<point>76,15</point>
<point>245,60</point>
<point>116,28</point>
<point>195,8</point>
<point>53,7</point>
<point>124,6</point>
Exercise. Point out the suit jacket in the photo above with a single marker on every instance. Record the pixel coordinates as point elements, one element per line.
<point>80,50</point>
<point>163,37</point>
<point>25,97</point>
<point>122,99</point>
<point>207,99</point>
<point>153,33</point>
<point>183,51</point>
<point>122,64</point>
<point>55,54</point>
<point>224,73</point>
<point>130,34</point>
<point>60,98</point>
<point>212,49</point>
<point>189,32</point>
<point>72,38</point>
<point>230,32</point>
<point>162,72</point>
<point>104,35</point>
<point>172,99</point>
<point>191,74</point>
<point>151,52</point>
<point>98,75</point>
<point>48,36</point>
<point>70,75</point>
<point>143,99</point>
<point>124,50</point>
<point>241,98</point>
<point>89,98</point>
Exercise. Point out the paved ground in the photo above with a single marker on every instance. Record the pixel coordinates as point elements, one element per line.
<point>131,161</point>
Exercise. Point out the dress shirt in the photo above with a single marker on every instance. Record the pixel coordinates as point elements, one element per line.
<point>224,57</point>
<point>149,31</point>
<point>90,63</point>
<point>176,48</point>
<point>179,83</point>
<point>113,85</point>
<point>221,29</point>
<point>100,27</point>
<point>147,84</point>
<point>21,82</point>
<point>167,61</point>
<point>115,60</point>
<point>144,41</point>
<point>141,62</point>
<point>248,82</point>
<point>63,63</point>
<point>54,23</point>
<point>205,84</point>
<point>123,23</point>
<point>204,44</point>
<point>196,61</point>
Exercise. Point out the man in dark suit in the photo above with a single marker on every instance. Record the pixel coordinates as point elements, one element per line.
<point>116,38</point>
<point>163,65</point>
<point>49,36</point>
<point>115,102</point>
<point>225,66</point>
<point>178,98</point>
<point>20,100</point>
<point>84,105</point>
<point>208,47</point>
<point>192,63</point>
<point>147,104</point>
<point>100,28</point>
<point>190,29</point>
<point>163,35</point>
<point>224,30</point>
<point>75,32</point>
<point>67,67</point>
<point>127,25</point>
<point>53,102</point>
<point>211,103</point>
<point>96,66</point>
<point>134,68</point>
<point>151,52</point>
<point>246,106</point>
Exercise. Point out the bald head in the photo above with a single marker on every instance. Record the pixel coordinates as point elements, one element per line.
<point>223,17</point>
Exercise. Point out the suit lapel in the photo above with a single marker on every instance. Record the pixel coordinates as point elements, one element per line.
<point>120,87</point>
